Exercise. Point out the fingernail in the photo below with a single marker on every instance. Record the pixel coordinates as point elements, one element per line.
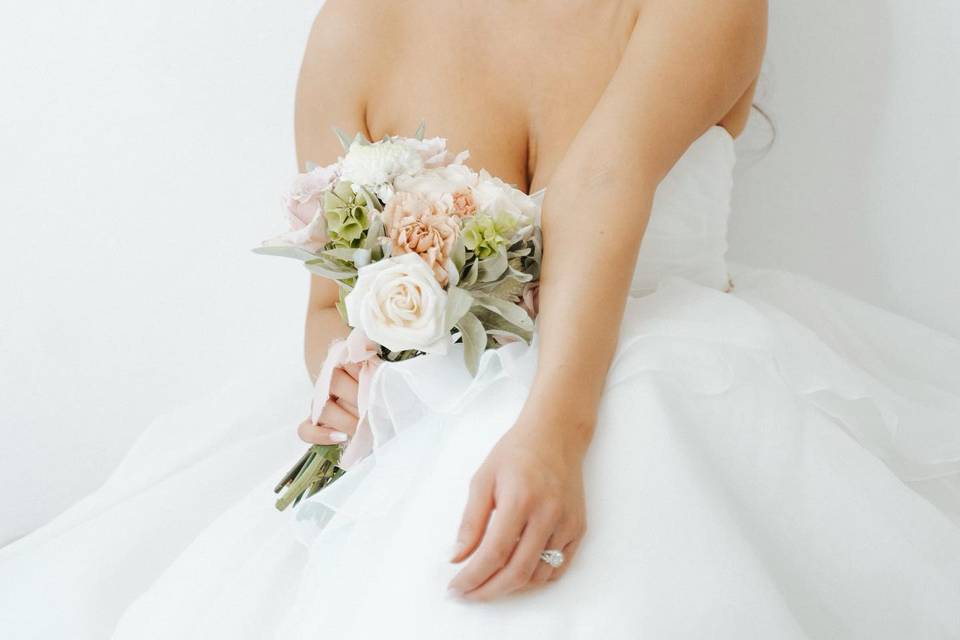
<point>453,591</point>
<point>456,550</point>
<point>338,436</point>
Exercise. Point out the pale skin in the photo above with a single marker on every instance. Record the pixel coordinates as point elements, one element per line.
<point>593,99</point>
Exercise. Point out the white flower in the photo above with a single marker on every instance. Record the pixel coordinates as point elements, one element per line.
<point>440,184</point>
<point>433,151</point>
<point>375,166</point>
<point>398,303</point>
<point>495,197</point>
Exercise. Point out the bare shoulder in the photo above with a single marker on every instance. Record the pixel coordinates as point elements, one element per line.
<point>340,66</point>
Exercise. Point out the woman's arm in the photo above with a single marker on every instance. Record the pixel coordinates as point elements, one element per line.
<point>330,92</point>
<point>686,64</point>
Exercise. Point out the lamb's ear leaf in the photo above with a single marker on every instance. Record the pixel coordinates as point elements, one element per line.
<point>474,341</point>
<point>470,277</point>
<point>285,251</point>
<point>374,233</point>
<point>459,253</point>
<point>422,129</point>
<point>495,322</point>
<point>329,269</point>
<point>345,140</point>
<point>493,267</point>
<point>458,303</point>
<point>340,253</point>
<point>509,311</point>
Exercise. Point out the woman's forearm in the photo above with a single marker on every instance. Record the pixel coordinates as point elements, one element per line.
<point>323,326</point>
<point>664,94</point>
<point>585,279</point>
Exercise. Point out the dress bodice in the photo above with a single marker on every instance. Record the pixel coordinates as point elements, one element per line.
<point>687,231</point>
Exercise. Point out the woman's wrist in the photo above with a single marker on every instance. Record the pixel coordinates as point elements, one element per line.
<point>560,417</point>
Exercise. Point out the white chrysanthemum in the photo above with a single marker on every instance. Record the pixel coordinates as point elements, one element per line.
<point>375,166</point>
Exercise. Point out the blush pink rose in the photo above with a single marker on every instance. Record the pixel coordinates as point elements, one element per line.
<point>303,204</point>
<point>416,224</point>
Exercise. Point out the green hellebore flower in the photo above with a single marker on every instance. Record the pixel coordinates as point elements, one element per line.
<point>346,214</point>
<point>485,235</point>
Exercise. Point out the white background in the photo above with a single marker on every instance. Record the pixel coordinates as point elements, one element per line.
<point>144,145</point>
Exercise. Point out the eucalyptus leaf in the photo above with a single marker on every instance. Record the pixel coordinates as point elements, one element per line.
<point>285,251</point>
<point>458,303</point>
<point>422,129</point>
<point>474,341</point>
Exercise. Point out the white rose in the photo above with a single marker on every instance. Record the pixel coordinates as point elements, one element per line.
<point>398,303</point>
<point>440,184</point>
<point>496,197</point>
<point>376,165</point>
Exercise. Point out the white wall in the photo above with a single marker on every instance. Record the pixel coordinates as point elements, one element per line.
<point>143,146</point>
<point>862,186</point>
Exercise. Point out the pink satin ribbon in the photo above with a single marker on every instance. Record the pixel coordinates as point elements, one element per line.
<point>356,349</point>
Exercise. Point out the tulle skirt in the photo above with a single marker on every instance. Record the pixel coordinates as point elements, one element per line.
<point>782,461</point>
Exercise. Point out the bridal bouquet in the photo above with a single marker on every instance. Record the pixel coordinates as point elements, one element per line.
<point>426,253</point>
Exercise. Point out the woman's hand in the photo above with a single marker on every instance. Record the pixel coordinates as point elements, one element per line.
<point>533,481</point>
<point>338,419</point>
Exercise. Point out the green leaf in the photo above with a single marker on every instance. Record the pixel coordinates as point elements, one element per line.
<point>510,312</point>
<point>474,341</point>
<point>493,267</point>
<point>459,253</point>
<point>285,251</point>
<point>422,129</point>
<point>459,302</point>
<point>330,269</point>
<point>345,140</point>
<point>341,253</point>
<point>470,277</point>
<point>493,321</point>
<point>374,233</point>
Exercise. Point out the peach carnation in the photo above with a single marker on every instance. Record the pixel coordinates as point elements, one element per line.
<point>416,224</point>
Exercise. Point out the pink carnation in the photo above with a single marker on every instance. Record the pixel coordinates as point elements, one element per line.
<point>416,224</point>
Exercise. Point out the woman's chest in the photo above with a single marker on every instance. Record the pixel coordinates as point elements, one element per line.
<point>513,85</point>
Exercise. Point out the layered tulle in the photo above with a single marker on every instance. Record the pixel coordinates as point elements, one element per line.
<point>760,469</point>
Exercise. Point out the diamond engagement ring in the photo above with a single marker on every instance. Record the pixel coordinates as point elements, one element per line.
<point>553,557</point>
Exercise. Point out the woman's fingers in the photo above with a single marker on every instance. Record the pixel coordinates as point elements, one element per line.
<point>516,574</point>
<point>352,369</point>
<point>344,388</point>
<point>476,515</point>
<point>569,551</point>
<point>316,434</point>
<point>336,417</point>
<point>495,549</point>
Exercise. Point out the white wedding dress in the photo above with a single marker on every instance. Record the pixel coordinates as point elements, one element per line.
<point>780,461</point>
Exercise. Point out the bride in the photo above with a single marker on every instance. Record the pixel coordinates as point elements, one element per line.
<point>705,450</point>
